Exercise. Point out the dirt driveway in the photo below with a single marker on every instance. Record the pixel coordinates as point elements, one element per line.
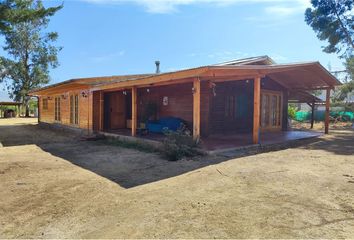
<point>54,186</point>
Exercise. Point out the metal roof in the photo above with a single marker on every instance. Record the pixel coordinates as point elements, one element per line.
<point>260,60</point>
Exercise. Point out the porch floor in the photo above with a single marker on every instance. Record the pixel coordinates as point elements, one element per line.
<point>235,140</point>
<point>216,142</point>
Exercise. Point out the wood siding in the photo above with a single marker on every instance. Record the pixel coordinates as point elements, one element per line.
<point>241,91</point>
<point>84,111</point>
<point>180,102</point>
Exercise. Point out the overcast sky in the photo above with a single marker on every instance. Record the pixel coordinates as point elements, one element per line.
<point>113,37</point>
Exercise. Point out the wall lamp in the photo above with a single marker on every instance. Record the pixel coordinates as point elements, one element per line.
<point>84,94</point>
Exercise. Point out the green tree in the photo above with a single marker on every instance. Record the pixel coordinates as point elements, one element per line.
<point>30,52</point>
<point>333,21</point>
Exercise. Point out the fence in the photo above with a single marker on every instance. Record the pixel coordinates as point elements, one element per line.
<point>319,115</point>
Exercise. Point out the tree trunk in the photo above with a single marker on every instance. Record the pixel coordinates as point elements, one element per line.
<point>26,103</point>
<point>27,111</point>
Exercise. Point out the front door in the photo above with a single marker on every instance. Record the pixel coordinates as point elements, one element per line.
<point>115,110</point>
<point>117,101</point>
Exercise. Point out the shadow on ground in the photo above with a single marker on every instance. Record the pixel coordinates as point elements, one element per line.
<point>128,167</point>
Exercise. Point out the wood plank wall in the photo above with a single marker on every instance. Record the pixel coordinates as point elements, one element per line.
<point>180,102</point>
<point>219,123</point>
<point>85,109</point>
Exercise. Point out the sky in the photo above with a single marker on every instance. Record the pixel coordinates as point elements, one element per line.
<point>114,37</point>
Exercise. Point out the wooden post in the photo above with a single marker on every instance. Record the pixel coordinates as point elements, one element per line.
<point>312,114</point>
<point>328,95</point>
<point>256,109</point>
<point>196,108</point>
<point>134,111</point>
<point>101,108</point>
<point>38,111</point>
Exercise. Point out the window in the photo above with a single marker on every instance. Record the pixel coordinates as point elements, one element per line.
<point>236,106</point>
<point>74,109</point>
<point>270,110</point>
<point>45,104</point>
<point>57,109</point>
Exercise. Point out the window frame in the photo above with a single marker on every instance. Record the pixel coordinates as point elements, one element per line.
<point>57,109</point>
<point>74,109</point>
<point>45,104</point>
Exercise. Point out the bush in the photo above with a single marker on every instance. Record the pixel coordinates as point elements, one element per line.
<point>178,145</point>
<point>292,111</point>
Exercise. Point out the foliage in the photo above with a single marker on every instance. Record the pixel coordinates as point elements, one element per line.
<point>178,144</point>
<point>29,49</point>
<point>17,11</point>
<point>292,109</point>
<point>333,21</point>
<point>344,92</point>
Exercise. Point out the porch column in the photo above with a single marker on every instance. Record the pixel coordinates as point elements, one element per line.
<point>256,109</point>
<point>328,95</point>
<point>312,114</point>
<point>196,108</point>
<point>134,111</point>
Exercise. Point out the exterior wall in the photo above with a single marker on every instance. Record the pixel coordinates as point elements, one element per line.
<point>85,109</point>
<point>242,91</point>
<point>180,102</point>
<point>220,124</point>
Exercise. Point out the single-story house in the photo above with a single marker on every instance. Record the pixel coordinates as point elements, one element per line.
<point>246,96</point>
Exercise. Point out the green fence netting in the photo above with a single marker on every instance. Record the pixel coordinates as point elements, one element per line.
<point>320,115</point>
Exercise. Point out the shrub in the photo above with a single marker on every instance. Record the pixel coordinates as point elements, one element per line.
<point>292,111</point>
<point>178,145</point>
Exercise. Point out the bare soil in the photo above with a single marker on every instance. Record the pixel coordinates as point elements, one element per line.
<point>53,185</point>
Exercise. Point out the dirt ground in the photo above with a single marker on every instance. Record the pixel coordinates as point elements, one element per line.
<point>53,185</point>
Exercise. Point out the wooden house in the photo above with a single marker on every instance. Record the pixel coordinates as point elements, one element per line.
<point>243,96</point>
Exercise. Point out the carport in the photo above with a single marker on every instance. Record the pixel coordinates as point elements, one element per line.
<point>17,106</point>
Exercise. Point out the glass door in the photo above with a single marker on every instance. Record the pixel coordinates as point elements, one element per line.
<point>270,110</point>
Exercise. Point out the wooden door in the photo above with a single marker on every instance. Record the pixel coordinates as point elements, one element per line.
<point>117,110</point>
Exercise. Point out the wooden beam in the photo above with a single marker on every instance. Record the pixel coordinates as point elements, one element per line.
<point>256,109</point>
<point>228,79</point>
<point>134,111</point>
<point>155,79</point>
<point>172,82</point>
<point>328,95</point>
<point>196,108</point>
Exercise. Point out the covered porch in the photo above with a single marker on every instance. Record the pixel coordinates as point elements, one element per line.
<point>224,106</point>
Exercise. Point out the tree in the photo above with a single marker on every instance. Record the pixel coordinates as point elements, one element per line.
<point>333,21</point>
<point>30,53</point>
<point>17,11</point>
